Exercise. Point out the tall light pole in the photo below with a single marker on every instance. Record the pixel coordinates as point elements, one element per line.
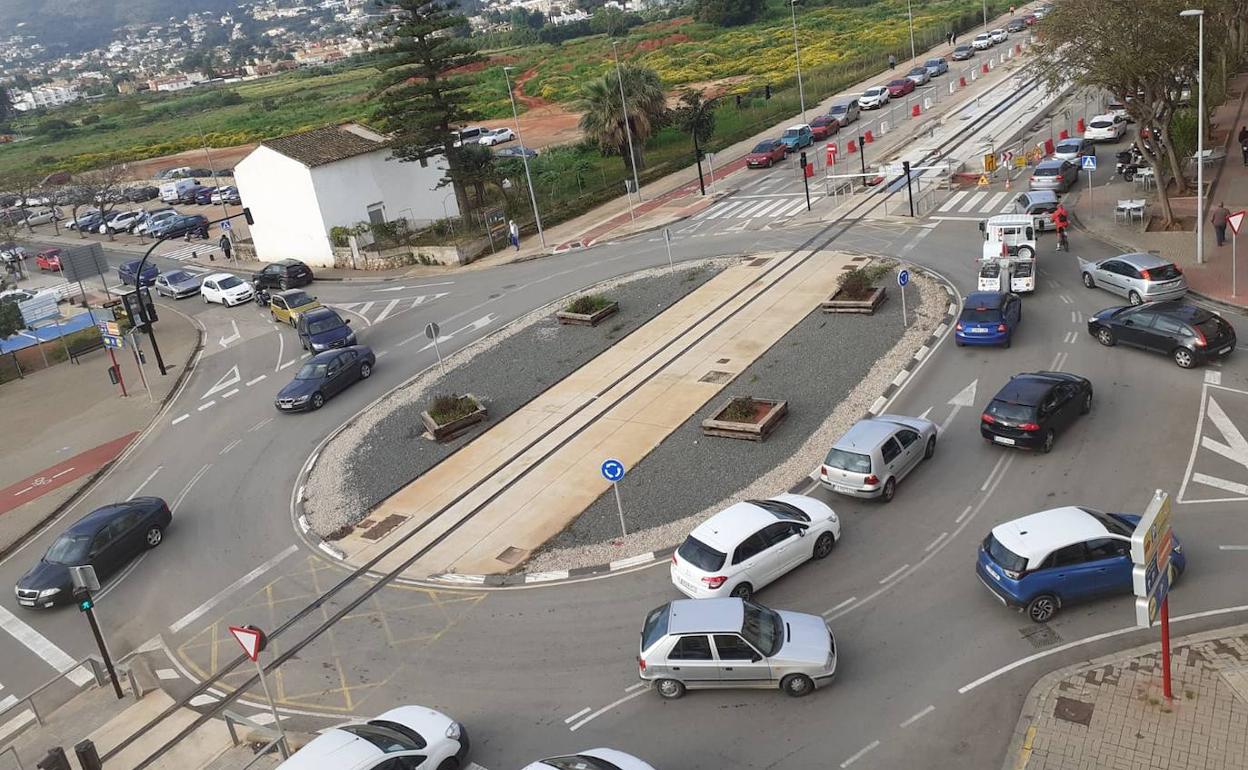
<point>985,15</point>
<point>801,92</point>
<point>524,156</point>
<point>910,15</point>
<point>1200,137</point>
<point>632,156</point>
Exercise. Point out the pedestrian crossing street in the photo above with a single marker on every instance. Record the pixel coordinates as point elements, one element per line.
<point>376,311</point>
<point>975,205</point>
<point>756,207</point>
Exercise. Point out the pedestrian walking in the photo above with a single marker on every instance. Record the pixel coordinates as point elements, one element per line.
<point>1243,143</point>
<point>225,245</point>
<point>513,233</point>
<point>1219,222</point>
<point>892,62</point>
<point>953,37</point>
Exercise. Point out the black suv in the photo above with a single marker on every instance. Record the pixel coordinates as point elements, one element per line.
<point>1190,335</point>
<point>195,224</point>
<point>283,274</point>
<point>1032,407</point>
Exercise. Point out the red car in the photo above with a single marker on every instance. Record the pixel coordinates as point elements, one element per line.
<point>48,259</point>
<point>766,153</point>
<point>900,87</point>
<point>824,126</point>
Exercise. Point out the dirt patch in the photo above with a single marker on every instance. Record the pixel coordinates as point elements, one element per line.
<point>650,45</point>
<point>532,102</point>
<point>468,69</point>
<point>222,157</point>
<point>710,89</point>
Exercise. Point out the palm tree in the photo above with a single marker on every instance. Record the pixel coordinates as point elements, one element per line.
<point>602,116</point>
<point>696,117</point>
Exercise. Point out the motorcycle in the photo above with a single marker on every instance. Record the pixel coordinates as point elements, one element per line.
<point>1128,162</point>
<point>262,297</point>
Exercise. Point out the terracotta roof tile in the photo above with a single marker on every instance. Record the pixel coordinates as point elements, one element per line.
<point>323,145</point>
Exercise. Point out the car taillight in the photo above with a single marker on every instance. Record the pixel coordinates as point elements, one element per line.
<point>823,471</point>
<point>1200,338</point>
<point>714,582</point>
<point>1001,327</point>
<point>872,479</point>
<point>1058,177</point>
<point>1029,426</point>
<point>641,665</point>
<point>1144,274</point>
<point>1177,269</point>
<point>674,559</point>
<point>988,419</point>
<point>1011,574</point>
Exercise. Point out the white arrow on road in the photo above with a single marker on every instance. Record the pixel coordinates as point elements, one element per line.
<point>230,379</point>
<point>966,397</point>
<point>476,325</point>
<point>235,337</point>
<point>421,286</point>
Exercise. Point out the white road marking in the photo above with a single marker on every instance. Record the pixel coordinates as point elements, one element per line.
<point>1233,548</point>
<point>139,488</point>
<point>262,718</point>
<point>962,515</point>
<point>202,700</point>
<point>953,201</point>
<point>1214,481</point>
<point>7,703</point>
<point>606,708</point>
<point>204,406</point>
<point>636,686</point>
<point>199,611</point>
<point>577,715</point>
<point>936,542</point>
<point>291,362</point>
<point>186,489</point>
<point>177,420</point>
<point>971,202</point>
<point>58,474</point>
<point>281,351</point>
<point>840,606</point>
<point>925,413</point>
<point>894,574</point>
<point>381,353</point>
<point>387,311</point>
<point>995,468</point>
<point>992,203</point>
<point>166,674</point>
<point>260,425</point>
<point>228,380</point>
<point>229,393</point>
<point>1236,447</point>
<point>230,446</point>
<point>1072,316</point>
<point>861,753</point>
<point>1066,298</point>
<point>918,716</point>
<point>43,647</point>
<point>254,380</point>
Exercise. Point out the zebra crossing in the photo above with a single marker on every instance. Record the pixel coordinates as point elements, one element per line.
<point>756,207</point>
<point>975,205</point>
<point>375,311</point>
<point>192,250</point>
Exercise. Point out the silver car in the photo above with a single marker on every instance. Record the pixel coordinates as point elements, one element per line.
<point>1139,277</point>
<point>720,643</point>
<point>876,453</point>
<point>1054,174</point>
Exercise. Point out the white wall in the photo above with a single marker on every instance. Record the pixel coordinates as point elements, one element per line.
<point>347,188</point>
<point>282,199</point>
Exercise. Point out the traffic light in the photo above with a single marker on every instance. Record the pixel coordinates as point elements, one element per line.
<point>247,216</point>
<point>803,159</point>
<point>85,604</point>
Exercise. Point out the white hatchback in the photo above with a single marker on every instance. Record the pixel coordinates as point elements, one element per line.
<point>748,545</point>
<point>226,288</point>
<point>408,737</point>
<point>1106,128</point>
<point>982,42</point>
<point>592,759</point>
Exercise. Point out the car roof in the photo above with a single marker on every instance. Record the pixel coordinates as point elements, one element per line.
<point>290,292</point>
<point>843,102</point>
<point>319,312</point>
<point>797,127</point>
<point>288,262</point>
<point>866,435</point>
<point>1142,260</point>
<point>686,616</point>
<point>726,529</point>
<point>1037,535</point>
<point>1026,389</point>
<point>96,519</point>
<point>333,748</point>
<point>1180,310</point>
<point>1103,116</point>
<point>983,299</point>
<point>216,276</point>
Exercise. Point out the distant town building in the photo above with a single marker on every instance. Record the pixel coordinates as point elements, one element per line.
<point>176,82</point>
<point>51,95</point>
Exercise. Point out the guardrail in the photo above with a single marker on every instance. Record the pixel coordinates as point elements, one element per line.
<point>10,764</point>
<point>49,696</point>
<point>232,720</point>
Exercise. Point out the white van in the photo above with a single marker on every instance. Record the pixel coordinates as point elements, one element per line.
<point>1017,273</point>
<point>1009,235</point>
<point>172,192</point>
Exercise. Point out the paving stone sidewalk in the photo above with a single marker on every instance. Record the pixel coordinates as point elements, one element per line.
<point>1111,712</point>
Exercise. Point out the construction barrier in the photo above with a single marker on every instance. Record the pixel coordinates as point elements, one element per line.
<point>984,68</point>
<point>927,103</point>
<point>1079,127</point>
<point>868,138</point>
<point>915,111</point>
<point>1048,146</point>
<point>1064,134</point>
<point>851,147</point>
<point>952,86</point>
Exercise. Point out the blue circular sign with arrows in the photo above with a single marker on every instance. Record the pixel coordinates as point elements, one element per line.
<point>903,278</point>
<point>612,470</point>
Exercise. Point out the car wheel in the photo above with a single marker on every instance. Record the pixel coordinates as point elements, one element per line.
<point>1184,358</point>
<point>1134,298</point>
<point>824,545</point>
<point>1105,337</point>
<point>797,685</point>
<point>1088,282</point>
<point>366,371</point>
<point>317,401</point>
<point>1047,446</point>
<point>957,342</point>
<point>154,537</point>
<point>743,591</point>
<point>669,688</point>
<point>931,448</point>
<point>205,298</point>
<point>1042,608</point>
<point>890,489</point>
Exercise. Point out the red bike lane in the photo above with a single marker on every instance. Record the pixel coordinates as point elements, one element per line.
<point>43,482</point>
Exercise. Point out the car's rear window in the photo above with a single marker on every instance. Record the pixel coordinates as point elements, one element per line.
<point>838,109</point>
<point>701,555</point>
<point>1003,556</point>
<point>980,315</point>
<point>1164,273</point>
<point>655,627</point>
<point>1214,327</point>
<point>1101,123</point>
<point>1010,411</point>
<point>848,461</point>
<point>792,132</point>
<point>1047,170</point>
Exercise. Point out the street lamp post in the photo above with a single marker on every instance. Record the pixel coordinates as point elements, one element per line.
<point>910,15</point>
<point>801,92</point>
<point>632,156</point>
<point>985,15</point>
<point>524,156</point>
<point>1200,136</point>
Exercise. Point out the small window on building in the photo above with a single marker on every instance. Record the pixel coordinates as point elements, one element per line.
<point>377,213</point>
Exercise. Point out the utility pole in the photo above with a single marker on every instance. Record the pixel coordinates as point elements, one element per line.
<point>628,130</point>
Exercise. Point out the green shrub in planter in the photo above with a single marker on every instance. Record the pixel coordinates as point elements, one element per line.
<point>448,408</point>
<point>588,304</point>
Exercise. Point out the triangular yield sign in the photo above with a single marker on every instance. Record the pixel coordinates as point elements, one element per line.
<point>249,638</point>
<point>1236,220</point>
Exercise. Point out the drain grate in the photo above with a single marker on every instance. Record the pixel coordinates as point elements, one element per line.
<point>716,377</point>
<point>858,259</point>
<point>512,555</point>
<point>1040,636</point>
<point>1071,710</point>
<point>723,360</point>
<point>384,527</point>
<point>759,261</point>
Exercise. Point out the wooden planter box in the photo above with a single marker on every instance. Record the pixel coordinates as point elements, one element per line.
<point>587,319</point>
<point>867,306</point>
<point>757,430</point>
<point>455,427</point>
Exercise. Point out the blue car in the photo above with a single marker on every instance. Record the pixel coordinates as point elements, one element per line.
<point>797,137</point>
<point>126,270</point>
<point>322,329</point>
<point>937,66</point>
<point>1042,562</point>
<point>324,376</point>
<point>988,318</point>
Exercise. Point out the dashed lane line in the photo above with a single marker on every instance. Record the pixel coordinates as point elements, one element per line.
<point>254,380</point>
<point>186,489</point>
<point>577,715</point>
<point>204,406</point>
<point>873,745</point>
<point>229,393</point>
<point>840,606</point>
<point>889,577</point>
<point>606,708</point>
<point>918,716</point>
<point>179,419</point>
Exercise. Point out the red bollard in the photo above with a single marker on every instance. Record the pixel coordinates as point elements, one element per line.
<point>962,82</point>
<point>851,146</point>
<point>868,137</point>
<point>984,69</point>
<point>1048,146</point>
<point>1018,49</point>
<point>1064,134</point>
<point>914,111</point>
<point>1079,127</point>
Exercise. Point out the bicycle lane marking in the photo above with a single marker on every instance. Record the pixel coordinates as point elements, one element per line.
<point>58,475</point>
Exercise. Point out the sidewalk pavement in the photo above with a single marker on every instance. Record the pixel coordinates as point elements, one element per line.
<point>74,423</point>
<point>1111,713</point>
<point>1227,182</point>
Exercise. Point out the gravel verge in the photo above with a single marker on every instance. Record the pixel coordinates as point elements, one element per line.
<point>384,449</point>
<point>665,495</point>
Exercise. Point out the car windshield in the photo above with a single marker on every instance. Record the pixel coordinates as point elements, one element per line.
<point>177,276</point>
<point>1112,523</point>
<point>311,372</point>
<point>763,147</point>
<point>791,132</point>
<point>68,549</point>
<point>919,71</point>
<point>298,299</point>
<point>782,510</point>
<point>838,109</point>
<point>1010,411</point>
<point>875,90</point>
<point>385,737</point>
<point>762,628</point>
<point>980,315</point>
<point>322,325</point>
<point>579,762</point>
<point>655,627</point>
<point>848,461</point>
<point>700,554</point>
<point>230,283</point>
<point>1003,556</point>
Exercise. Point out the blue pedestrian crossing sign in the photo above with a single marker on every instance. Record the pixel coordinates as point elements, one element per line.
<point>1089,163</point>
<point>612,470</point>
<point>225,225</point>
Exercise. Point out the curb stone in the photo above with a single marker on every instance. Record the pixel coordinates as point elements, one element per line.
<point>1039,694</point>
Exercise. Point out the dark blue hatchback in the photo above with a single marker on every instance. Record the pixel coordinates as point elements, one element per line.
<point>988,318</point>
<point>323,329</point>
<point>126,270</point>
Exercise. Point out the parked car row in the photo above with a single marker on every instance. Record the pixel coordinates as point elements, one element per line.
<point>802,135</point>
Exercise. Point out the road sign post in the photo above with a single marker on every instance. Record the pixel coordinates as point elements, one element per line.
<point>613,471</point>
<point>1089,165</point>
<point>110,333</point>
<point>431,331</point>
<point>1151,545</point>
<point>667,240</point>
<point>1234,221</point>
<point>253,641</point>
<point>903,278</point>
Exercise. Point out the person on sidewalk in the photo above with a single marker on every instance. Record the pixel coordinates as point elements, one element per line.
<point>513,234</point>
<point>892,62</point>
<point>1243,143</point>
<point>1219,222</point>
<point>953,38</point>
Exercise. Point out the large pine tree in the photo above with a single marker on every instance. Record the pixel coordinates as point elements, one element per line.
<point>417,101</point>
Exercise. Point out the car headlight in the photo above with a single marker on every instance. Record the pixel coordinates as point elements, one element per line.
<point>302,399</point>
<point>1178,548</point>
<point>45,593</point>
<point>350,339</point>
<point>453,732</point>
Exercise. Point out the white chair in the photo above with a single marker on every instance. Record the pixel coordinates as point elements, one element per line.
<point>1136,210</point>
<point>1123,210</point>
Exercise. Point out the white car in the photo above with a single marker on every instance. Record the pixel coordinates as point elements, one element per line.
<point>1105,128</point>
<point>873,98</point>
<point>407,737</point>
<point>123,221</point>
<point>43,216</point>
<point>147,225</point>
<point>226,288</point>
<point>11,252</point>
<point>999,36</point>
<point>592,759</point>
<point>491,137</point>
<point>748,545</point>
<point>982,42</point>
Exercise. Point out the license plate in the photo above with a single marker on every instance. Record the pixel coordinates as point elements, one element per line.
<point>993,572</point>
<point>1003,440</point>
<point>1224,350</point>
<point>978,331</point>
<point>839,488</point>
<point>26,602</point>
<point>685,584</point>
